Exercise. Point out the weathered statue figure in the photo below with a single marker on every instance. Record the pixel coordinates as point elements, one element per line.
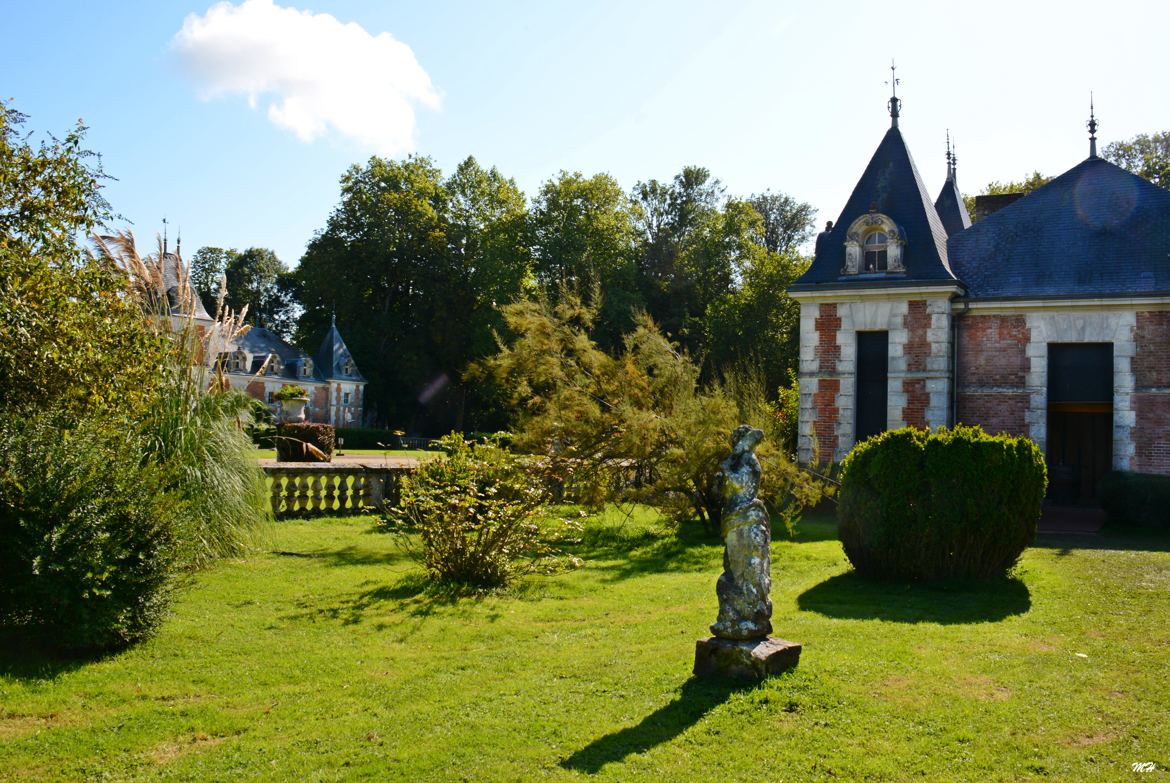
<point>745,608</point>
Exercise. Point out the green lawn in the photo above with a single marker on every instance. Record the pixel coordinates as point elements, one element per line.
<point>324,658</point>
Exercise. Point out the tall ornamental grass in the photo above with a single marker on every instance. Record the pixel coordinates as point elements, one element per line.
<point>195,428</point>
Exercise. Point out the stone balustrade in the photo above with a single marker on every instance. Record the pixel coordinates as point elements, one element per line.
<point>324,489</point>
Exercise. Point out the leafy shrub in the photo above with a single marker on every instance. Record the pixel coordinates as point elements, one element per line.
<point>261,429</point>
<point>1135,499</point>
<point>638,425</point>
<point>475,512</point>
<point>89,543</point>
<point>302,441</point>
<point>956,504</point>
<point>290,392</point>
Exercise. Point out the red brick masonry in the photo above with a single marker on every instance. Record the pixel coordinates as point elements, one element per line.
<point>1151,399</point>
<point>993,365</point>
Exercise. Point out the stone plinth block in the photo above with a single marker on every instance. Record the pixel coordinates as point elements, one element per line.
<point>745,660</point>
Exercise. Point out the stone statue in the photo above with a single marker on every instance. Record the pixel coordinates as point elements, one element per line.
<point>745,608</point>
<point>741,647</point>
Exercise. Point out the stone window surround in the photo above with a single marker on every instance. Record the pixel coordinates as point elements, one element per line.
<point>872,310</point>
<point>1093,320</point>
<point>859,230</point>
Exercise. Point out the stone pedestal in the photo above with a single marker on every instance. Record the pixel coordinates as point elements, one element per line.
<point>744,660</point>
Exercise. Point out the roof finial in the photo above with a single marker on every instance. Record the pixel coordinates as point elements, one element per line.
<point>954,160</point>
<point>164,236</point>
<point>894,104</point>
<point>1092,125</point>
<point>950,160</point>
<point>333,318</point>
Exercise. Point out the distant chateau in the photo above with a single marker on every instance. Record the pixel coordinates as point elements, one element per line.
<point>259,362</point>
<point>1049,318</point>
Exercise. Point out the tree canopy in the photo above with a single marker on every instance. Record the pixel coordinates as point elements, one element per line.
<point>1147,155</point>
<point>417,266</point>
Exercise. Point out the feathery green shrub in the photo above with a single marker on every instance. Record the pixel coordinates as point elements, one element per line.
<point>955,504</point>
<point>475,512</point>
<point>89,535</point>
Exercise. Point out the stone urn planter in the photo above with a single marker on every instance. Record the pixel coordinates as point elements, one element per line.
<point>293,409</point>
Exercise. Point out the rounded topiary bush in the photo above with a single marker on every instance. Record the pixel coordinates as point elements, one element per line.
<point>955,504</point>
<point>302,441</point>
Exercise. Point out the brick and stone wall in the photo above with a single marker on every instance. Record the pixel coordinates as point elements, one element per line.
<point>1151,393</point>
<point>918,390</point>
<point>1083,326</point>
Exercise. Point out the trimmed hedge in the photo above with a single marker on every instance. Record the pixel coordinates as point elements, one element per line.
<point>292,436</point>
<point>369,438</point>
<point>1135,499</point>
<point>956,504</point>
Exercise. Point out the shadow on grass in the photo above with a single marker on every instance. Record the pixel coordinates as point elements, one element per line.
<point>411,596</point>
<point>347,556</point>
<point>625,555</point>
<point>1117,539</point>
<point>850,596</point>
<point>23,656</point>
<point>696,698</point>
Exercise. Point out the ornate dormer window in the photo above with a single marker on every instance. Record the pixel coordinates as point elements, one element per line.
<point>232,361</point>
<point>306,367</point>
<point>275,366</point>
<point>873,245</point>
<point>347,368</point>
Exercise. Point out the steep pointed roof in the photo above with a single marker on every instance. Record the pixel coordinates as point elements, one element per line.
<point>332,356</point>
<point>949,205</point>
<point>892,186</point>
<point>1095,231</point>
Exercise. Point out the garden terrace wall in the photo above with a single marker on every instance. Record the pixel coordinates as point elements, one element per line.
<point>317,490</point>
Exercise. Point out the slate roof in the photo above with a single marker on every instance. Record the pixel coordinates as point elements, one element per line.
<point>332,355</point>
<point>891,185</point>
<point>260,342</point>
<point>1094,231</point>
<point>950,207</point>
<point>170,275</point>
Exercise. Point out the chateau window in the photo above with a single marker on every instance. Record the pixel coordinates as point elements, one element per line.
<point>271,398</point>
<point>306,368</point>
<point>873,245</point>
<point>345,398</point>
<point>347,368</point>
<point>875,251</point>
<point>275,365</point>
<point>231,362</point>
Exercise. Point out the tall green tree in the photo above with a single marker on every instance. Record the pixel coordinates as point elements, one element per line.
<point>1147,155</point>
<point>376,265</point>
<point>69,340</point>
<point>788,223</point>
<point>489,263</point>
<point>582,233</point>
<point>415,265</point>
<point>207,269</point>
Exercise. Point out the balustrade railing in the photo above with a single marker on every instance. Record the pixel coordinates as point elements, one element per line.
<point>316,489</point>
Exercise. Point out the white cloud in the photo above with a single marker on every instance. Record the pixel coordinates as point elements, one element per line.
<point>319,74</point>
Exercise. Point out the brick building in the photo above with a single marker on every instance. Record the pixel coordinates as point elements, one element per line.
<point>1049,317</point>
<point>260,363</point>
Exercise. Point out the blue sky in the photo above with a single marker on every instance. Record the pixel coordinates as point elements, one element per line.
<point>774,95</point>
